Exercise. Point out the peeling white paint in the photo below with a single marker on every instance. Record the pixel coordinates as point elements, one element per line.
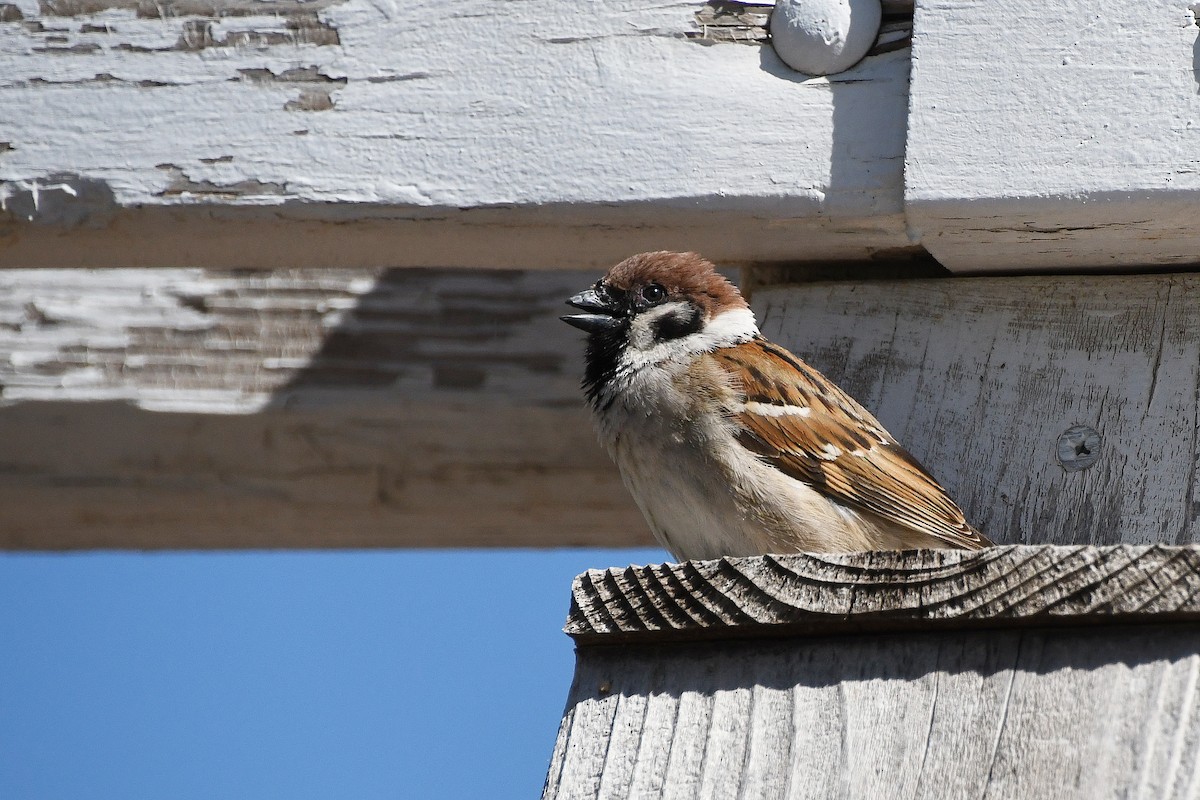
<point>468,106</point>
<point>191,340</point>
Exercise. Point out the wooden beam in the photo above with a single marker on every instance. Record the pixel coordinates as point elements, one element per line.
<point>404,408</point>
<point>349,133</point>
<point>312,408</point>
<point>1065,138</point>
<point>1024,682</point>
<point>344,133</point>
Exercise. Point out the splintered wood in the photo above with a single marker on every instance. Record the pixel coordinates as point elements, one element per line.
<point>1014,674</point>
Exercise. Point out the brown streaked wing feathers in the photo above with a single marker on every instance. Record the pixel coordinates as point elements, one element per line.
<point>886,481</point>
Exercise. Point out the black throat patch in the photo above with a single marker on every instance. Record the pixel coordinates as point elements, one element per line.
<point>604,350</point>
<point>600,362</point>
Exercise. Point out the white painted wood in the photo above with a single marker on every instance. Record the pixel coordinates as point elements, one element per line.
<point>1055,135</point>
<point>965,707</point>
<point>545,135</point>
<point>361,133</point>
<point>980,377</point>
<point>195,409</point>
<point>237,342</point>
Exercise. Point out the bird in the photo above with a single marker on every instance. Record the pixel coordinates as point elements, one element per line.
<point>730,444</point>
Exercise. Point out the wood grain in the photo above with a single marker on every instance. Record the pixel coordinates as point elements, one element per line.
<point>879,591</point>
<point>161,408</point>
<point>1072,713</point>
<point>1019,672</point>
<point>371,408</point>
<point>979,378</point>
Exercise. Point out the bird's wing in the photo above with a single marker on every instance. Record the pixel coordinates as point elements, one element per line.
<point>802,424</point>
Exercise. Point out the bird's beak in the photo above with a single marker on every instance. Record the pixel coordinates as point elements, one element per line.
<point>603,312</point>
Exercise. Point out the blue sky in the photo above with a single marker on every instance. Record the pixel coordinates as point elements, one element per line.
<point>367,674</point>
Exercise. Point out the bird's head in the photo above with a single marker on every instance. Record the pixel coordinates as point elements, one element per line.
<point>652,298</point>
<point>653,307</point>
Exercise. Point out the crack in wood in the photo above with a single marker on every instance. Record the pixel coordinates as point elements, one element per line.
<point>309,74</point>
<point>75,49</point>
<point>153,9</point>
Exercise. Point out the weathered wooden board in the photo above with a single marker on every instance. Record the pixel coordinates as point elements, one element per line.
<point>170,408</point>
<point>1077,714</point>
<point>1055,135</point>
<point>981,377</point>
<point>362,133</point>
<point>185,408</point>
<point>357,133</point>
<point>1089,709</point>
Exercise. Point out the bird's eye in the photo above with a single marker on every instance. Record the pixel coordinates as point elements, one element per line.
<point>654,293</point>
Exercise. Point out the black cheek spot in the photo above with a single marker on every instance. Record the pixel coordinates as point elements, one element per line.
<point>677,324</point>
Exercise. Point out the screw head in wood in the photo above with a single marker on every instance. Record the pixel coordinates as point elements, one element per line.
<point>821,37</point>
<point>1078,448</point>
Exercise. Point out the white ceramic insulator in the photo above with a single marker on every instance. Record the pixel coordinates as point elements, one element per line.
<point>821,37</point>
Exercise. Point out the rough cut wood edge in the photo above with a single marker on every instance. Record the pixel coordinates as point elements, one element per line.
<point>1009,586</point>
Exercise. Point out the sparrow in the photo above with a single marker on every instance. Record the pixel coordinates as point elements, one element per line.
<point>731,445</point>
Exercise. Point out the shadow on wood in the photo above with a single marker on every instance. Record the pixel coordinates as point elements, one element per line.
<point>382,408</point>
<point>1091,708</point>
<point>193,408</point>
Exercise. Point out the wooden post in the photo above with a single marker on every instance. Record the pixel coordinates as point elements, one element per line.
<point>1017,672</point>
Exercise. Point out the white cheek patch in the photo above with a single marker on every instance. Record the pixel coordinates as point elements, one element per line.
<point>641,331</point>
<point>724,330</point>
